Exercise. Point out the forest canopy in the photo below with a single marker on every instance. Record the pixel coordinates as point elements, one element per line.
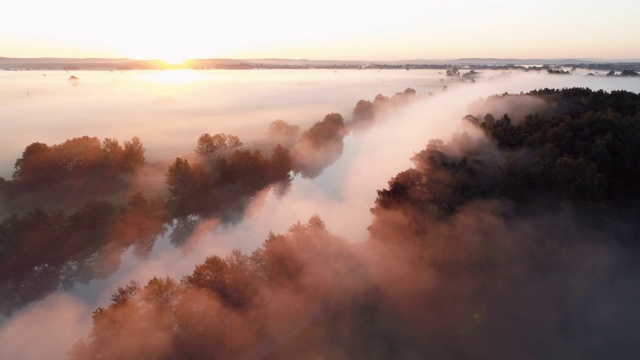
<point>72,210</point>
<point>521,243</point>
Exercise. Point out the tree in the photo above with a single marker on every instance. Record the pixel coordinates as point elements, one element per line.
<point>331,128</point>
<point>181,180</point>
<point>34,166</point>
<point>472,119</point>
<point>230,283</point>
<point>211,145</point>
<point>628,72</point>
<point>133,156</point>
<point>380,100</point>
<point>124,295</point>
<point>320,146</point>
<point>283,129</point>
<point>363,111</point>
<point>113,155</point>
<point>280,164</point>
<point>94,214</point>
<point>77,156</point>
<point>409,92</point>
<point>248,169</point>
<point>453,72</point>
<point>578,179</point>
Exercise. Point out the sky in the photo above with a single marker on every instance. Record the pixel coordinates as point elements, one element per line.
<point>174,30</point>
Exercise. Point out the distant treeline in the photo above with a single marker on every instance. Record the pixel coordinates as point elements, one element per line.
<point>66,226</point>
<point>523,244</point>
<point>240,64</point>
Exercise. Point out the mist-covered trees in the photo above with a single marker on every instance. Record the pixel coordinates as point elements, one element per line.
<point>75,212</point>
<point>584,158</point>
<point>282,129</point>
<point>628,72</point>
<point>77,169</point>
<point>224,178</point>
<point>518,230</point>
<point>41,251</point>
<point>227,306</point>
<point>365,111</point>
<point>453,72</point>
<point>590,151</point>
<point>582,155</point>
<point>226,172</point>
<point>133,155</point>
<point>320,145</point>
<point>327,130</point>
<point>235,280</point>
<point>506,226</point>
<point>62,231</point>
<point>77,158</point>
<point>181,180</point>
<point>210,145</point>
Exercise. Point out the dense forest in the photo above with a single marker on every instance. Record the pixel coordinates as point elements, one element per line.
<point>72,209</point>
<point>520,243</point>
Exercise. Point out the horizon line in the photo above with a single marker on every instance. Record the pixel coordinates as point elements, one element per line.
<point>324,60</point>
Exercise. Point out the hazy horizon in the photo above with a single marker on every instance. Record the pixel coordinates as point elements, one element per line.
<point>326,59</point>
<point>174,31</point>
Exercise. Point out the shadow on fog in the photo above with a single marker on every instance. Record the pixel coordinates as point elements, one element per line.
<point>520,244</point>
<point>73,213</point>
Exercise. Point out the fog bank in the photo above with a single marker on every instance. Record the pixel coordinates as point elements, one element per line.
<point>342,194</point>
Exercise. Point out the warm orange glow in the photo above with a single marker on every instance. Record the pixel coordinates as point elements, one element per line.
<point>175,30</point>
<point>174,60</point>
<point>176,76</point>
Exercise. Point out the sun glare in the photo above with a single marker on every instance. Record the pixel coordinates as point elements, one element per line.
<point>180,76</point>
<point>174,60</point>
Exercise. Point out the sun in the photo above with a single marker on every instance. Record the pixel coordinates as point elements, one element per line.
<point>172,58</point>
<point>175,60</point>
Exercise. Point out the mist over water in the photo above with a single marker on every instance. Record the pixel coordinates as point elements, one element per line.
<point>169,111</point>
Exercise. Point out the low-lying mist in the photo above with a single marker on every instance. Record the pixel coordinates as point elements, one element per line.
<point>168,109</point>
<point>431,290</point>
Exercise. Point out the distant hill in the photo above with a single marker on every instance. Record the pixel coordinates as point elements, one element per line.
<point>48,63</point>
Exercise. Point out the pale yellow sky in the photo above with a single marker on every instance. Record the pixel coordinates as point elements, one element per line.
<point>341,30</point>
